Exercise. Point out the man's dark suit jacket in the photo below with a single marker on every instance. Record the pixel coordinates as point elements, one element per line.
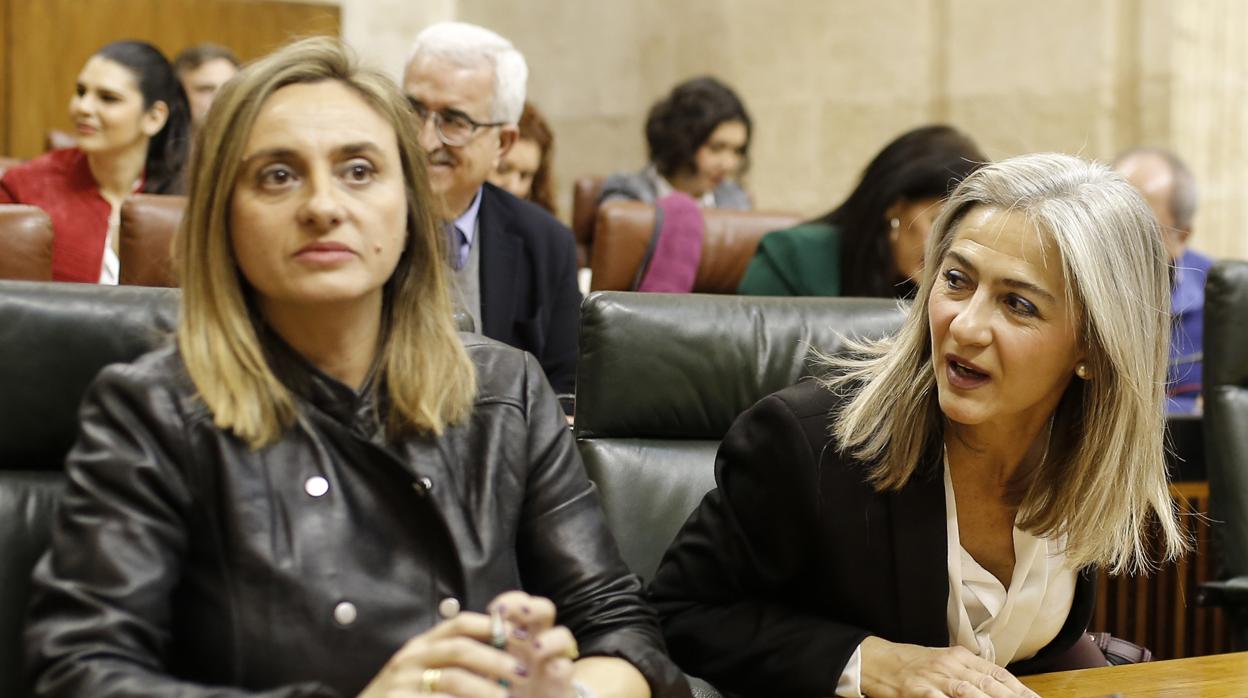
<point>794,559</point>
<point>529,297</point>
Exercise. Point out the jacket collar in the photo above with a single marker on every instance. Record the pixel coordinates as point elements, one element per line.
<point>359,411</point>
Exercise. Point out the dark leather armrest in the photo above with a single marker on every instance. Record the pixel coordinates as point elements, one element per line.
<point>1231,594</point>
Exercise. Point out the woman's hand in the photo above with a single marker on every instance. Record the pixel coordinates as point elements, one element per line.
<point>547,650</point>
<point>892,669</point>
<point>454,658</point>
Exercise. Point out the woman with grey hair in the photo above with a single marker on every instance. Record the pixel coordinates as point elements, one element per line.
<point>928,520</point>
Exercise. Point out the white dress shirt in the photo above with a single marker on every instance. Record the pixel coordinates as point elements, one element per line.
<point>1001,625</point>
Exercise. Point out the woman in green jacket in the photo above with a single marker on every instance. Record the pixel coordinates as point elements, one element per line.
<point>872,244</point>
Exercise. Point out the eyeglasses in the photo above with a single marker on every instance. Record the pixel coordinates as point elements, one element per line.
<point>454,128</point>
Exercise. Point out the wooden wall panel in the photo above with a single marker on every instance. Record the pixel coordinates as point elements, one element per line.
<point>1159,611</point>
<point>5,28</point>
<point>49,40</point>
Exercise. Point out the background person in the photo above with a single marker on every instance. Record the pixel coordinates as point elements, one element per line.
<point>203,69</point>
<point>699,144</point>
<point>524,170</point>
<point>1170,191</point>
<point>515,265</point>
<point>133,128</point>
<point>291,498</point>
<point>872,244</point>
<point>957,483</point>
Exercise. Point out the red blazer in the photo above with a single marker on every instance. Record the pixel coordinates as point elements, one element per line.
<point>60,183</point>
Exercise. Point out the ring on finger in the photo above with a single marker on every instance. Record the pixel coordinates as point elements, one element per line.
<point>429,680</point>
<point>498,630</point>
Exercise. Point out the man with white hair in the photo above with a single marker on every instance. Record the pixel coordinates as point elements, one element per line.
<point>1170,190</point>
<point>515,265</point>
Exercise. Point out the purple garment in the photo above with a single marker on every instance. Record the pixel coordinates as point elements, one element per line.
<point>674,264</point>
<point>1187,331</point>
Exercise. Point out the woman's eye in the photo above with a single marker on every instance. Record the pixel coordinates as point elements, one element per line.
<point>360,172</point>
<point>276,176</point>
<point>954,279</point>
<point>1021,306</point>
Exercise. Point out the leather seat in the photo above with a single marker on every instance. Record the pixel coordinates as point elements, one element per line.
<point>54,338</point>
<point>25,243</point>
<point>1226,437</point>
<point>660,379</point>
<point>623,230</point>
<point>585,194</point>
<point>145,245</point>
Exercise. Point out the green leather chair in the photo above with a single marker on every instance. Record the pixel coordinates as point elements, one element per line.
<point>54,338</point>
<point>660,379</point>
<point>1226,438</point>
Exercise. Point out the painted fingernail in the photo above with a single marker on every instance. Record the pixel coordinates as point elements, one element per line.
<point>521,671</point>
<point>537,644</point>
<point>504,683</point>
<point>520,634</point>
<point>524,610</point>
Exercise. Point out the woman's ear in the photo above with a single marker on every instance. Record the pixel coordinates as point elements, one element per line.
<point>155,118</point>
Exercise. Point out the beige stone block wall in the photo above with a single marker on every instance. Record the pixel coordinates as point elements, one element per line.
<point>829,82</point>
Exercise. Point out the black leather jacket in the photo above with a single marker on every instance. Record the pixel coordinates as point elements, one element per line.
<point>183,562</point>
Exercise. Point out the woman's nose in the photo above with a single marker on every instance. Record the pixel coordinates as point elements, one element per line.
<point>322,209</point>
<point>972,326</point>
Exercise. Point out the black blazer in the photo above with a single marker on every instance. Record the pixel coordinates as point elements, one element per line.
<point>529,297</point>
<point>793,560</point>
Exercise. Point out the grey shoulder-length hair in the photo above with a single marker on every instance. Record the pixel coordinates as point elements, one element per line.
<point>1103,484</point>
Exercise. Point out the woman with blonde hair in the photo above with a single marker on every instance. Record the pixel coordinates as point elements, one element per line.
<point>928,520</point>
<point>321,489</point>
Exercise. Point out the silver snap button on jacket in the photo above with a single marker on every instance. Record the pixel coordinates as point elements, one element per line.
<point>316,486</point>
<point>345,613</point>
<point>449,607</point>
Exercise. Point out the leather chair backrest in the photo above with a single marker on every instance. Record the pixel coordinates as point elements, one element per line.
<point>585,194</point>
<point>6,163</point>
<point>54,339</point>
<point>145,246</point>
<point>1226,411</point>
<point>25,243</point>
<point>623,232</point>
<point>661,377</point>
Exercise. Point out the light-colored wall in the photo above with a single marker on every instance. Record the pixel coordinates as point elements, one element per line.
<point>830,82</point>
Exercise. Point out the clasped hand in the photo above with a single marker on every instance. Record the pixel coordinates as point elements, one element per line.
<point>516,651</point>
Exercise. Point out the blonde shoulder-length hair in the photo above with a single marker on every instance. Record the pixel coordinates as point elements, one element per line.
<point>422,363</point>
<point>1103,482</point>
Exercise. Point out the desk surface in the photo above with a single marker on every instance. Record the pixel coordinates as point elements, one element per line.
<point>1213,676</point>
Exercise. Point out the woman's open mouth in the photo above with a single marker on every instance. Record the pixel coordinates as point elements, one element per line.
<point>962,376</point>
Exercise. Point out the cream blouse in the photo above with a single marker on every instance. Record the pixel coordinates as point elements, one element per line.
<point>1001,625</point>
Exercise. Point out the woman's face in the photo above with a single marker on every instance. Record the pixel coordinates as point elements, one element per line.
<point>516,168</point>
<point>908,240</point>
<point>107,109</point>
<point>1004,344</point>
<point>720,157</point>
<point>319,209</point>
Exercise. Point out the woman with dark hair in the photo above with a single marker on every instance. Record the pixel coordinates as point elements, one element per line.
<point>872,244</point>
<point>699,140</point>
<point>132,123</point>
<point>525,169</point>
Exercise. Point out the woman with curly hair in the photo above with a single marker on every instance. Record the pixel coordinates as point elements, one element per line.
<point>699,141</point>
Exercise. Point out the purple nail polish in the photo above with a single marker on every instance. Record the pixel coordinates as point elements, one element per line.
<point>524,610</point>
<point>537,645</point>
<point>521,671</point>
<point>520,634</point>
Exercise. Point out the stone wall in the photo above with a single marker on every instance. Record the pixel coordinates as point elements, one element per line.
<point>829,83</point>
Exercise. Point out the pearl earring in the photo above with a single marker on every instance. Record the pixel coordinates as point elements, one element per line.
<point>894,223</point>
<point>1081,370</point>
